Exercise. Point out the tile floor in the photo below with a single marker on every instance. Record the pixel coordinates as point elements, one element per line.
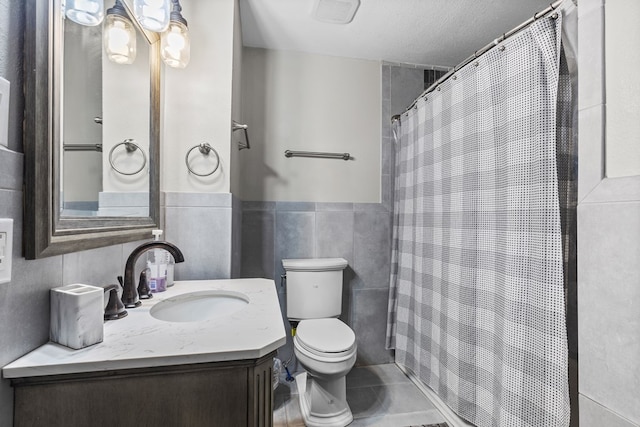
<point>380,396</point>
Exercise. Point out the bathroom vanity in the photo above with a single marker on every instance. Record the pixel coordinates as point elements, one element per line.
<point>215,371</point>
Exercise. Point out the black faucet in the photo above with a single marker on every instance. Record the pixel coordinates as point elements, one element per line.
<point>129,293</point>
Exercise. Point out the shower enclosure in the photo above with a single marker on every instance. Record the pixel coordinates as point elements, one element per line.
<point>483,262</point>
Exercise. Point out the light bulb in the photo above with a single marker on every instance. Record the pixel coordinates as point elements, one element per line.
<point>85,12</point>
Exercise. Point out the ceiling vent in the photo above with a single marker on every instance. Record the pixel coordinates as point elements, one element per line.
<point>335,11</point>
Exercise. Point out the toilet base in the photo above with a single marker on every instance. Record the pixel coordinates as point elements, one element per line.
<point>323,403</point>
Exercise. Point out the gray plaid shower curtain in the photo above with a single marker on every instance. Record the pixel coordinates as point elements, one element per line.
<point>477,307</point>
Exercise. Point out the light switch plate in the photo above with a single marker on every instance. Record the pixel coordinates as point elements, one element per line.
<point>6,249</point>
<point>5,89</point>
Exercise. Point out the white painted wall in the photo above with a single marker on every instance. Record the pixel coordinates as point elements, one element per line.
<point>308,102</point>
<point>197,100</point>
<point>236,102</point>
<point>622,50</point>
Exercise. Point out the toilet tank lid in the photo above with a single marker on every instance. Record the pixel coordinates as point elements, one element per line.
<point>314,264</point>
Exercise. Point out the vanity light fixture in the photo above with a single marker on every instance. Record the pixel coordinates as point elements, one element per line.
<point>85,12</point>
<point>119,35</point>
<point>152,14</point>
<point>175,43</point>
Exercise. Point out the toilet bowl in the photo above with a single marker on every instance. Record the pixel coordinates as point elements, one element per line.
<point>326,349</point>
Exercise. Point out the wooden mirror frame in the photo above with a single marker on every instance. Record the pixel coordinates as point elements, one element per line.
<point>46,233</point>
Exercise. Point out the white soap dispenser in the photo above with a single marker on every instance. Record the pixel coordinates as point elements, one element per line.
<point>156,262</point>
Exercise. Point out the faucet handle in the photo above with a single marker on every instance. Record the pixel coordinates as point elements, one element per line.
<point>144,292</point>
<point>114,309</point>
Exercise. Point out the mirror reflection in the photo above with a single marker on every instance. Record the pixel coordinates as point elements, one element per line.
<point>105,127</point>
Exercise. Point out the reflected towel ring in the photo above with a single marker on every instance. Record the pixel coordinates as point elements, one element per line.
<point>130,146</point>
<point>205,148</point>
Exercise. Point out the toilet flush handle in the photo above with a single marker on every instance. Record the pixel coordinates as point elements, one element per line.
<point>283,280</point>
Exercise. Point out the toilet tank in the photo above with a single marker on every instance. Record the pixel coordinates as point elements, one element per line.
<point>314,287</point>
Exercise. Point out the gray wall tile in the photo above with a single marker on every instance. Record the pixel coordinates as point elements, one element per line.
<point>80,267</point>
<point>388,155</point>
<point>372,249</point>
<point>387,187</point>
<point>594,415</point>
<point>258,229</point>
<point>334,235</point>
<point>327,206</point>
<point>236,237</point>
<point>609,297</point>
<point>386,113</point>
<point>204,236</point>
<point>296,206</point>
<point>385,82</point>
<point>369,322</point>
<point>406,85</point>
<point>258,206</point>
<point>369,207</point>
<point>213,200</point>
<point>11,170</point>
<point>295,237</point>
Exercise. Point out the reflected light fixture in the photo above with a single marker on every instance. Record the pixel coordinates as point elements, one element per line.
<point>85,12</point>
<point>152,14</point>
<point>119,35</point>
<point>175,43</point>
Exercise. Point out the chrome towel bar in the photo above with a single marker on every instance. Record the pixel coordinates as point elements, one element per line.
<point>82,147</point>
<point>343,156</point>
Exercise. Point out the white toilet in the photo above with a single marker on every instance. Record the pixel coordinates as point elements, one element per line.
<point>324,346</point>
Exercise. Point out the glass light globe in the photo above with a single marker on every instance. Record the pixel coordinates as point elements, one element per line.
<point>175,45</point>
<point>119,39</point>
<point>152,14</point>
<point>85,12</point>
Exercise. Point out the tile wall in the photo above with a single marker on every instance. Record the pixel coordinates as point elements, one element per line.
<point>205,226</point>
<point>608,230</point>
<point>360,233</point>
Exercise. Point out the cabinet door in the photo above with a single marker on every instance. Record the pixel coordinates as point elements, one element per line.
<point>207,397</point>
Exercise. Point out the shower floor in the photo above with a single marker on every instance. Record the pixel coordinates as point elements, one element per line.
<point>379,395</point>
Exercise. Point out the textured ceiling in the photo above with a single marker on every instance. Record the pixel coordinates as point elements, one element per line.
<point>428,32</point>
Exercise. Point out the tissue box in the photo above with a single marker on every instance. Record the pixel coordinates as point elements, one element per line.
<point>77,315</point>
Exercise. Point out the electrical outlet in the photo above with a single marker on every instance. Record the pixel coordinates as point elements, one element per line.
<point>5,87</point>
<point>6,249</point>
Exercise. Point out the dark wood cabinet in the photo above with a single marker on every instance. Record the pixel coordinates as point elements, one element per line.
<point>232,394</point>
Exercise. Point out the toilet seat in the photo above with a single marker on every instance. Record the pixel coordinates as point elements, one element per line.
<point>327,338</point>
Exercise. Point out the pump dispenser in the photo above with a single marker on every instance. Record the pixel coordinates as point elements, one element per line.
<point>157,265</point>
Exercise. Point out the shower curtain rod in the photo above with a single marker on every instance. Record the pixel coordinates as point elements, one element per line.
<point>552,7</point>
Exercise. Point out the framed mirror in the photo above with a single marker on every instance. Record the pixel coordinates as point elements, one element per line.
<point>91,136</point>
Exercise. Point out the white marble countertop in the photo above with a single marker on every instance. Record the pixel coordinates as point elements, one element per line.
<point>139,340</point>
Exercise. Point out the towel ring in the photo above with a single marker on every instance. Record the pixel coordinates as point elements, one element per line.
<point>205,148</point>
<point>130,146</point>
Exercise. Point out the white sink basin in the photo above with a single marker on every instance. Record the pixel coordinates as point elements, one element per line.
<point>199,306</point>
